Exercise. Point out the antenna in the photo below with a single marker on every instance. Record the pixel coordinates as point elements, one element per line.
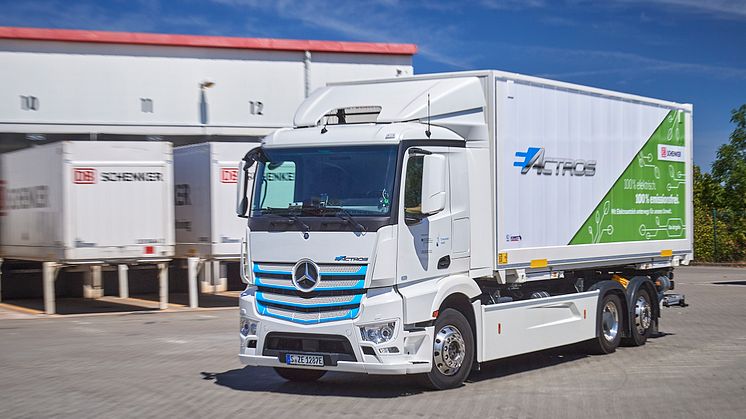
<point>427,131</point>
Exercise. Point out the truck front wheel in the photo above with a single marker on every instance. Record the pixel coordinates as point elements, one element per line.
<point>299,375</point>
<point>453,351</point>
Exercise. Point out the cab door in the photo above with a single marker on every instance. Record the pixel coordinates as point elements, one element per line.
<point>425,242</point>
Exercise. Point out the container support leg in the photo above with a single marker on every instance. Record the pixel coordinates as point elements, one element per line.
<point>93,287</point>
<point>163,286</point>
<point>205,284</point>
<point>220,282</point>
<point>124,288</point>
<point>49,274</point>
<point>1,279</point>
<point>192,273</point>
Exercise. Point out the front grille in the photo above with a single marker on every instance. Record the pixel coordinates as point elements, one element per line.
<point>328,268</point>
<point>298,301</point>
<point>338,295</point>
<point>282,283</point>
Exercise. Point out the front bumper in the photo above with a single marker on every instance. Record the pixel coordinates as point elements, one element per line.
<point>413,344</point>
<point>399,368</point>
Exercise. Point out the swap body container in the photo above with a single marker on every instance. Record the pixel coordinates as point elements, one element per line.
<point>588,177</point>
<point>205,195</point>
<point>88,202</point>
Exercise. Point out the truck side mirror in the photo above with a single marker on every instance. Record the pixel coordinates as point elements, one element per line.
<point>242,199</point>
<point>433,184</point>
<point>242,195</point>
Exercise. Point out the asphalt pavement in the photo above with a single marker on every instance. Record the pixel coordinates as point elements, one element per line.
<point>184,364</point>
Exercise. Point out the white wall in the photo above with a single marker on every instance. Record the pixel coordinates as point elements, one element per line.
<point>84,87</point>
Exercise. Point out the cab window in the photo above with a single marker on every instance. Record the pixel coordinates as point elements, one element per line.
<point>413,185</point>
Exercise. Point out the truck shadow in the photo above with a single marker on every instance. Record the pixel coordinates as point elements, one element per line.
<point>730,283</point>
<point>528,362</point>
<point>255,379</point>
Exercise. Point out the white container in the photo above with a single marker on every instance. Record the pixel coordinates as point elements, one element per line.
<point>88,201</point>
<point>589,177</point>
<point>205,195</point>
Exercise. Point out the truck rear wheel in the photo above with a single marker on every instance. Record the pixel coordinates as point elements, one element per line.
<point>453,351</point>
<point>299,375</point>
<point>642,324</point>
<point>609,321</point>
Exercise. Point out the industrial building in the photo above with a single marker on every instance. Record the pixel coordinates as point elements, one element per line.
<point>184,89</point>
<point>80,85</point>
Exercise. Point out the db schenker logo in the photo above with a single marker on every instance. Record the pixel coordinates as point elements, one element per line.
<point>671,153</point>
<point>228,175</point>
<point>84,176</point>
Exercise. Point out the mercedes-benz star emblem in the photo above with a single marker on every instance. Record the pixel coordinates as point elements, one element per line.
<point>306,275</point>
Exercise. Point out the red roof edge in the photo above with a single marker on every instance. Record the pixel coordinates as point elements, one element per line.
<point>133,38</point>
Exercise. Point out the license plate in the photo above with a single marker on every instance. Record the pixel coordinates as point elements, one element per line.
<point>311,360</point>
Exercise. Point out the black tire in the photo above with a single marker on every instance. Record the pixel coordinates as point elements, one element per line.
<point>641,318</point>
<point>607,337</point>
<point>299,375</point>
<point>459,340</point>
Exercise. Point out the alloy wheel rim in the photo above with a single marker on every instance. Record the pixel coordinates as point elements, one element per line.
<point>643,315</point>
<point>610,321</point>
<point>449,350</point>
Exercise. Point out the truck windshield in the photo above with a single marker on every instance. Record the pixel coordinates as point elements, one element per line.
<point>324,181</point>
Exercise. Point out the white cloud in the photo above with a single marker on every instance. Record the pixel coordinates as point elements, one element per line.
<point>373,21</point>
<point>721,9</point>
<point>628,63</point>
<point>61,14</point>
<point>511,4</point>
<point>716,8</point>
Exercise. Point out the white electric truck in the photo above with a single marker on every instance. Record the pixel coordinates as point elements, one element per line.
<point>424,225</point>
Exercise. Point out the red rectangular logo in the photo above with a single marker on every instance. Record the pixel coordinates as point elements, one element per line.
<point>228,175</point>
<point>84,176</point>
<point>663,152</point>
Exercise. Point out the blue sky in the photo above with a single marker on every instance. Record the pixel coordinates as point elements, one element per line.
<point>682,50</point>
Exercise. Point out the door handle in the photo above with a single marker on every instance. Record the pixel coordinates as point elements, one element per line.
<point>444,262</point>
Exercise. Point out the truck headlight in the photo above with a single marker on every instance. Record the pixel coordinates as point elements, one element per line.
<point>248,326</point>
<point>378,332</point>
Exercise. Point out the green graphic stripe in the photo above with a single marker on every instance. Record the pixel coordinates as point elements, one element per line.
<point>648,201</point>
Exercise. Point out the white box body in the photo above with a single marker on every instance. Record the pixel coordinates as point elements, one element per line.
<point>88,201</point>
<point>205,195</point>
<point>631,204</point>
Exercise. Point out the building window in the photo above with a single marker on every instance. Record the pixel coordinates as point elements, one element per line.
<point>146,105</point>
<point>29,103</point>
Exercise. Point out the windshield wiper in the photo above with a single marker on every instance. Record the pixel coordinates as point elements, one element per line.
<point>347,217</point>
<point>290,219</point>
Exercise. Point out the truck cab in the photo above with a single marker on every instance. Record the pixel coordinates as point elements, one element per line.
<point>357,228</point>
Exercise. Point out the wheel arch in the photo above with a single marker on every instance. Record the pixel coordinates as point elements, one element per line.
<point>463,304</point>
<point>455,285</point>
